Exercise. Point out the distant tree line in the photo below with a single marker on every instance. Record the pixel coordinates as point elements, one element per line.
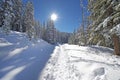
<point>16,16</point>
<point>52,35</point>
<point>101,27</point>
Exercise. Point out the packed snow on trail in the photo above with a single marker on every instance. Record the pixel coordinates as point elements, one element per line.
<point>72,62</point>
<point>21,59</point>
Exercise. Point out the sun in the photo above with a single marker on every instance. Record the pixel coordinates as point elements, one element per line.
<point>54,17</point>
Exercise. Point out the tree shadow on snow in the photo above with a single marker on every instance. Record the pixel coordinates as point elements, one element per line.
<point>27,65</point>
<point>100,49</point>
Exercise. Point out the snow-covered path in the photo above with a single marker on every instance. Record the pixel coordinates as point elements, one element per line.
<point>21,59</point>
<point>71,62</point>
<point>25,63</point>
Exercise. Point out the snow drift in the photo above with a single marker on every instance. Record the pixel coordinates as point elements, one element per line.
<point>21,59</point>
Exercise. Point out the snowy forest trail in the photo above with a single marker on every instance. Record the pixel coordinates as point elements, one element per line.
<point>21,59</point>
<point>72,62</point>
<point>24,62</point>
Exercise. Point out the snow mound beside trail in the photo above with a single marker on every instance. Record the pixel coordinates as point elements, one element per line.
<point>16,42</point>
<point>15,38</point>
<point>4,43</point>
<point>20,58</point>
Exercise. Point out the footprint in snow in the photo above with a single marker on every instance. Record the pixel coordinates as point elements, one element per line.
<point>99,73</point>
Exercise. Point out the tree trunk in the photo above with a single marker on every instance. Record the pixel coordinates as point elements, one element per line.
<point>116,45</point>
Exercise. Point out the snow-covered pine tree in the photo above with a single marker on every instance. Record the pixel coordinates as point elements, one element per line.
<point>64,37</point>
<point>29,20</point>
<point>55,35</point>
<point>17,19</point>
<point>1,13</point>
<point>72,38</point>
<point>58,36</point>
<point>105,15</point>
<point>87,31</point>
<point>52,35</point>
<point>7,15</point>
<point>83,23</point>
<point>44,33</point>
<point>80,36</point>
<point>38,29</point>
<point>23,19</point>
<point>50,31</point>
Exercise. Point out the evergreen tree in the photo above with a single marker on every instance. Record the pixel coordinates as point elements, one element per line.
<point>64,37</point>
<point>72,39</point>
<point>55,35</point>
<point>105,15</point>
<point>29,20</point>
<point>38,29</point>
<point>7,15</point>
<point>80,36</point>
<point>58,36</point>
<point>1,13</point>
<point>17,20</point>
<point>84,42</point>
<point>44,32</point>
<point>50,32</point>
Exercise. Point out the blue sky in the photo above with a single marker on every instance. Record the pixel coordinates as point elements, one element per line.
<point>68,11</point>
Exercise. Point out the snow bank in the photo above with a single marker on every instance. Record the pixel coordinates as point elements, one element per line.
<point>4,43</point>
<point>21,59</point>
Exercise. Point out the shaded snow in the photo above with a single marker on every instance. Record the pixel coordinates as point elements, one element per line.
<point>15,52</point>
<point>4,43</point>
<point>21,59</point>
<point>10,75</point>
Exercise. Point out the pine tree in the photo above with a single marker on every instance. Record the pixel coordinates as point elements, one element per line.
<point>38,29</point>
<point>7,15</point>
<point>80,36</point>
<point>72,38</point>
<point>50,32</point>
<point>83,23</point>
<point>1,13</point>
<point>105,16</point>
<point>55,35</point>
<point>65,37</point>
<point>29,20</point>
<point>17,19</point>
<point>44,32</point>
<point>58,36</point>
